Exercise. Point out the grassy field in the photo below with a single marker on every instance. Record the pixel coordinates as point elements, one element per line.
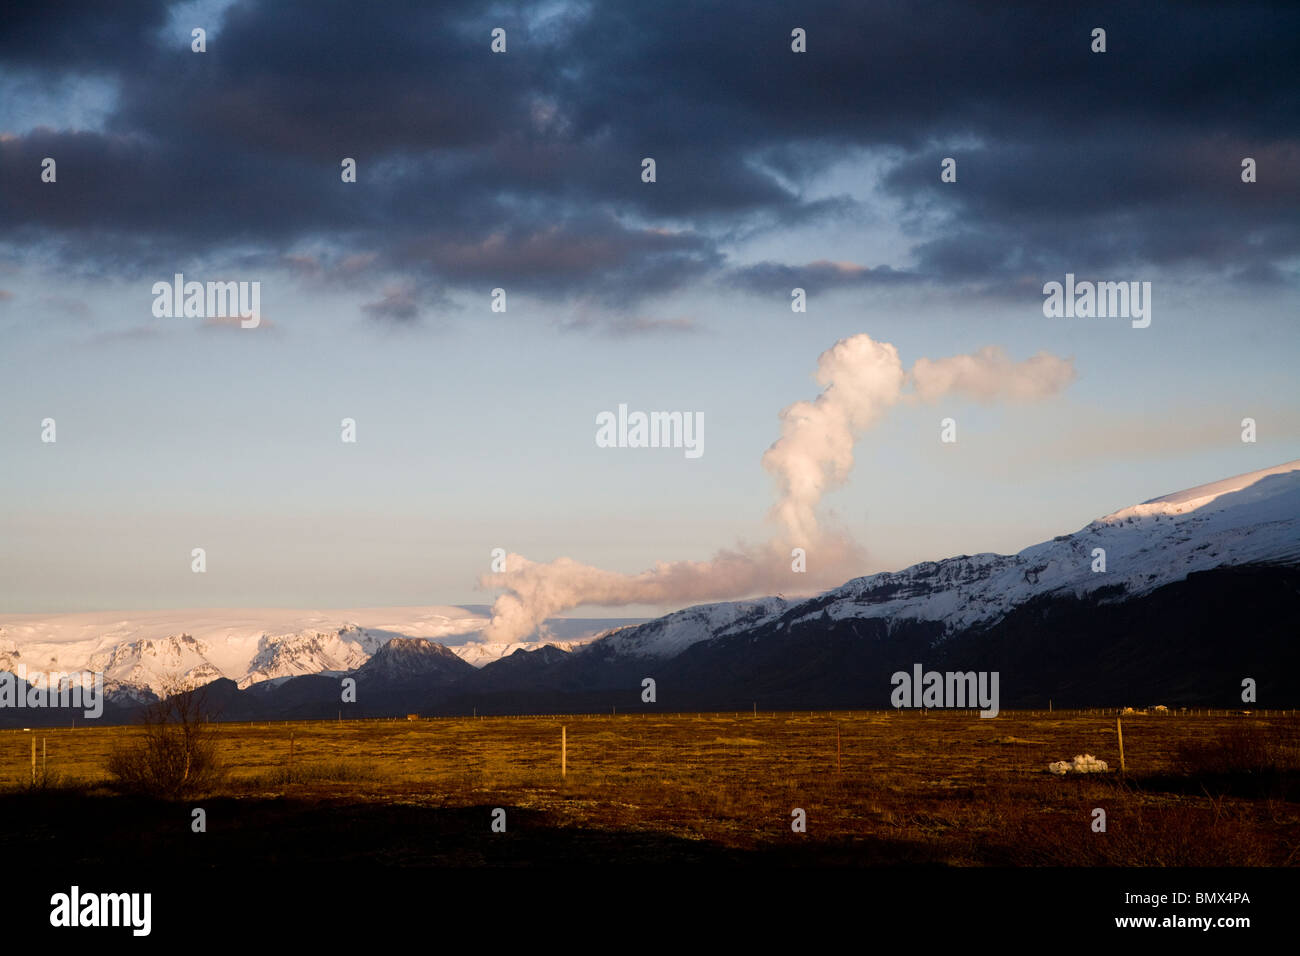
<point>910,788</point>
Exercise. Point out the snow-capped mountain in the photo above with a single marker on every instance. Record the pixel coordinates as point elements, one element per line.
<point>153,665</point>
<point>408,658</point>
<point>1181,596</point>
<point>673,633</point>
<point>282,656</point>
<point>144,654</point>
<point>1252,518</point>
<point>1198,590</point>
<point>480,653</point>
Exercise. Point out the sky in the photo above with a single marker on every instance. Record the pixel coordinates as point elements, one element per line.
<point>522,171</point>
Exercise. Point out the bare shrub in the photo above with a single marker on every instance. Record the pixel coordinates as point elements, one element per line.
<point>175,755</point>
<point>47,779</point>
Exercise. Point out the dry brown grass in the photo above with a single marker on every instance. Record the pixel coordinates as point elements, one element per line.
<point>1244,748</point>
<point>939,788</point>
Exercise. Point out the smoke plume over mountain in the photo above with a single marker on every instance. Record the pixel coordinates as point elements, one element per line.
<point>861,380</point>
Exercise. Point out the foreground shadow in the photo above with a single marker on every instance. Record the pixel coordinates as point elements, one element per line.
<point>93,830</point>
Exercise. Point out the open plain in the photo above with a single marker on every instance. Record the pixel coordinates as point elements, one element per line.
<point>876,788</point>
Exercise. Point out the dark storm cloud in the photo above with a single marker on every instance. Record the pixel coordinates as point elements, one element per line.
<point>1175,201</point>
<point>523,170</point>
<point>604,256</point>
<point>81,35</point>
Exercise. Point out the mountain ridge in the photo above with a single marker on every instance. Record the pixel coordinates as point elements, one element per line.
<point>1237,540</point>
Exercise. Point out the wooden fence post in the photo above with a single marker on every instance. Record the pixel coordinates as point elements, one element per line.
<point>564,752</point>
<point>1119,732</point>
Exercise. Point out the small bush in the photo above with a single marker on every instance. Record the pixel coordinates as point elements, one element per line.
<point>176,754</point>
